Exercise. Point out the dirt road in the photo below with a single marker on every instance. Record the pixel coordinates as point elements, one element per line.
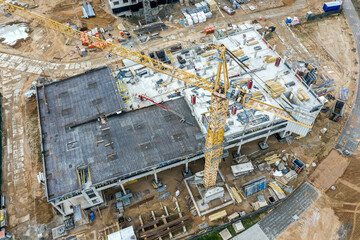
<point>21,157</point>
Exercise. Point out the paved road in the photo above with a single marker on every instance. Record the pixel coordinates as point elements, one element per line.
<point>350,137</point>
<point>282,216</point>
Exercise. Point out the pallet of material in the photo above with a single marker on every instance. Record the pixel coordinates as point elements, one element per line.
<point>233,216</point>
<point>302,95</point>
<point>212,5</point>
<point>163,229</point>
<point>242,81</point>
<point>236,195</point>
<point>272,159</point>
<point>238,53</point>
<point>252,43</point>
<point>209,53</point>
<point>218,215</point>
<point>275,88</point>
<point>256,94</point>
<point>270,59</point>
<point>150,28</point>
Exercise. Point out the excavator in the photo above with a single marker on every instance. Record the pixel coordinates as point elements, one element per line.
<point>218,110</point>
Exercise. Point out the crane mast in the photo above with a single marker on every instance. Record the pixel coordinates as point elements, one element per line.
<point>218,113</point>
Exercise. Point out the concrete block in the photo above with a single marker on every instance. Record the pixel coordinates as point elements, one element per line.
<point>225,234</point>
<point>238,226</point>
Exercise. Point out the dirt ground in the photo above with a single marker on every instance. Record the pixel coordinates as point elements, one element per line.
<point>319,222</point>
<point>30,211</point>
<point>329,170</point>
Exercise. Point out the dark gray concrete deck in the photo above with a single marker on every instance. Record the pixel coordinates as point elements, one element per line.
<point>281,217</point>
<point>138,140</point>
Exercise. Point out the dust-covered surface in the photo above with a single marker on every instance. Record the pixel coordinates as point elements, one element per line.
<point>10,34</point>
<point>329,170</point>
<point>319,222</point>
<point>46,45</point>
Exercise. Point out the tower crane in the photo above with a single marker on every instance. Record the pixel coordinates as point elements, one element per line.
<point>218,110</point>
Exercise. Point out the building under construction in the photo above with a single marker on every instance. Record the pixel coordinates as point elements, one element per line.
<point>136,7</point>
<point>97,132</point>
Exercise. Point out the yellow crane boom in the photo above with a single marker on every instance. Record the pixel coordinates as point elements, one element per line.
<point>219,104</point>
<point>110,47</point>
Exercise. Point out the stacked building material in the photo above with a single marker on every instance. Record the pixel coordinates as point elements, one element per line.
<point>272,159</point>
<point>254,186</point>
<point>218,215</point>
<point>326,87</point>
<point>236,195</point>
<point>257,94</point>
<point>242,81</point>
<point>343,94</point>
<point>238,52</point>
<point>302,95</point>
<point>202,7</point>
<point>243,58</point>
<point>198,14</point>
<point>276,88</point>
<point>270,59</point>
<point>208,53</point>
<point>209,30</point>
<point>150,28</point>
<point>235,4</point>
<point>212,5</point>
<point>87,10</point>
<point>252,43</point>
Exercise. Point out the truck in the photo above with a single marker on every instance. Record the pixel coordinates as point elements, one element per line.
<point>337,111</point>
<point>228,10</point>
<point>297,165</point>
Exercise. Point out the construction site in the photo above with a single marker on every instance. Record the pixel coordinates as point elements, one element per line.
<point>179,120</point>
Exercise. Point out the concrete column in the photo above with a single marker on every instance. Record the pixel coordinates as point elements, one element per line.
<point>268,133</point>
<point>267,137</point>
<point>274,48</point>
<point>242,137</point>
<point>155,176</point>
<point>123,188</point>
<point>239,148</point>
<point>187,166</point>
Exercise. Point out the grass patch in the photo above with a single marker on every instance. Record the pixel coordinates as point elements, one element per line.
<point>247,223</point>
<point>231,230</point>
<point>250,221</point>
<point>211,236</point>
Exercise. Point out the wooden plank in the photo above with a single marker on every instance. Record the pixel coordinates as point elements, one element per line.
<point>165,226</point>
<point>175,227</point>
<point>155,225</point>
<point>180,214</point>
<point>165,222</point>
<point>152,223</point>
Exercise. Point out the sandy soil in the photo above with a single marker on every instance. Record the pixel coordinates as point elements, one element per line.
<point>319,222</point>
<point>315,147</point>
<point>329,170</point>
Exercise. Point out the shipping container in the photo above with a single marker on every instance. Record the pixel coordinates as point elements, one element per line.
<point>254,186</point>
<point>331,6</point>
